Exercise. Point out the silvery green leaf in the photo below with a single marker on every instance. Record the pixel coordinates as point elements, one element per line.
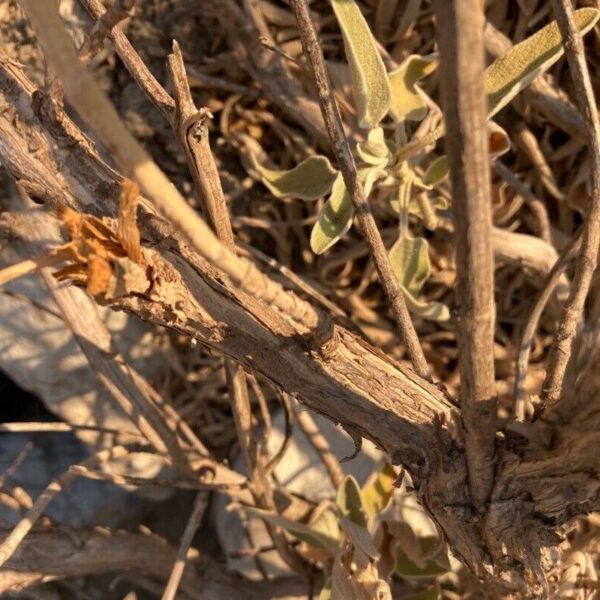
<point>509,74</point>
<point>369,79</point>
<point>336,217</point>
<point>409,258</point>
<point>436,171</point>
<point>499,141</point>
<point>375,149</point>
<point>309,180</point>
<point>408,99</point>
<point>349,501</point>
<point>359,537</point>
<point>437,203</point>
<point>377,492</point>
<point>432,311</point>
<point>303,532</point>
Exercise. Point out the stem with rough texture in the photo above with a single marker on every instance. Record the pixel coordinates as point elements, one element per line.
<point>460,39</point>
<point>587,259</point>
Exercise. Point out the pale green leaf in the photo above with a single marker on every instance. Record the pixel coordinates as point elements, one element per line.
<point>436,171</point>
<point>509,74</point>
<point>326,524</point>
<point>432,311</point>
<point>375,150</point>
<point>409,258</point>
<point>335,218</point>
<point>370,84</point>
<point>377,492</point>
<point>408,101</point>
<point>309,180</point>
<point>303,532</point>
<point>359,537</point>
<point>433,566</point>
<point>437,203</point>
<point>349,501</point>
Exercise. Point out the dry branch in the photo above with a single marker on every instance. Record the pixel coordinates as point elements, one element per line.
<point>587,259</point>
<point>460,37</point>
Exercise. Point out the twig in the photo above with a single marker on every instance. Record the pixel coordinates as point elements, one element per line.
<point>186,541</point>
<point>118,11</point>
<point>537,207</point>
<point>587,258</point>
<point>16,463</point>
<point>320,444</point>
<point>532,322</point>
<point>341,149</point>
<point>460,38</point>
<point>60,427</point>
<point>12,541</point>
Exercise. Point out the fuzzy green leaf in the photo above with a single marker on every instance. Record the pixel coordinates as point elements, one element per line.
<point>369,79</point>
<point>408,100</point>
<point>409,258</point>
<point>432,566</point>
<point>375,149</point>
<point>309,180</point>
<point>377,493</point>
<point>509,74</point>
<point>336,217</point>
<point>437,171</point>
<point>303,532</point>
<point>349,501</point>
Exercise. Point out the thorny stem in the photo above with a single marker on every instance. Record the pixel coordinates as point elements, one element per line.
<point>460,38</point>
<point>341,149</point>
<point>587,259</point>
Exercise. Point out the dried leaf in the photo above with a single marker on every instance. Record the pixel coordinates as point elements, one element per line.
<point>301,531</point>
<point>335,218</point>
<point>514,71</point>
<point>370,83</point>
<point>499,142</point>
<point>127,229</point>
<point>99,275</point>
<point>408,101</point>
<point>309,180</point>
<point>349,501</point>
<point>377,493</point>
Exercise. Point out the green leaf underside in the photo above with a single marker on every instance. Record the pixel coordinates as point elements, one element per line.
<point>309,180</point>
<point>349,501</point>
<point>509,74</point>
<point>409,258</point>
<point>437,171</point>
<point>408,100</point>
<point>377,494</point>
<point>336,216</point>
<point>437,565</point>
<point>303,532</point>
<point>370,84</point>
<point>375,150</point>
